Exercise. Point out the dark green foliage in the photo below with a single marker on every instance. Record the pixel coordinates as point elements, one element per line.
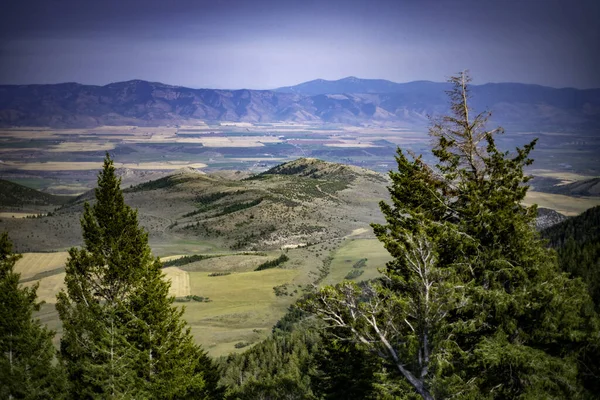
<point>299,362</point>
<point>161,183</point>
<point>27,370</point>
<point>238,207</point>
<point>178,262</point>
<point>290,319</point>
<point>192,297</point>
<point>123,338</point>
<point>15,195</point>
<point>206,202</point>
<point>219,273</point>
<point>276,368</point>
<point>577,242</point>
<point>344,371</point>
<point>273,263</point>
<point>360,263</point>
<point>212,197</point>
<point>353,274</point>
<point>473,304</point>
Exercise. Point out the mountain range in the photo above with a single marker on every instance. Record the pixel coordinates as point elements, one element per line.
<point>349,101</point>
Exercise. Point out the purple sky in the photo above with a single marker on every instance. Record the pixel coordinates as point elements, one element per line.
<point>271,43</point>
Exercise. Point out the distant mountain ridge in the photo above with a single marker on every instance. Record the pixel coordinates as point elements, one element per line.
<point>349,101</point>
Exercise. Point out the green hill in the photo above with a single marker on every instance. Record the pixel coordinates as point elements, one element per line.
<point>15,195</point>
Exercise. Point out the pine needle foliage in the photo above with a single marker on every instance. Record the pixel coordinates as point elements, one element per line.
<point>473,305</point>
<point>123,337</point>
<point>27,369</point>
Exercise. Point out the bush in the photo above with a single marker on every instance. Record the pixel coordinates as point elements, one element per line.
<point>273,263</point>
<point>355,273</point>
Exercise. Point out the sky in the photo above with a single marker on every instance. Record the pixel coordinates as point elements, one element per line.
<point>264,44</point>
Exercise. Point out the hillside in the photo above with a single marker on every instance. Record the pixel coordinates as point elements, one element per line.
<point>13,195</point>
<point>577,242</point>
<point>587,187</point>
<point>349,101</point>
<point>294,204</point>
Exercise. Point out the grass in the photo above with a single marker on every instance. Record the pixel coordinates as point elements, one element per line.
<point>242,303</point>
<point>351,253</point>
<point>566,205</point>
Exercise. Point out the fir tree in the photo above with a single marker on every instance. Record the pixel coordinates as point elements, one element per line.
<point>27,353</point>
<point>473,304</point>
<point>123,338</point>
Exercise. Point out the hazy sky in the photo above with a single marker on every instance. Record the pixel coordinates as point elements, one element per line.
<point>272,43</point>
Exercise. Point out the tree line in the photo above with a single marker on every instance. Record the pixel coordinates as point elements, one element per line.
<point>473,305</point>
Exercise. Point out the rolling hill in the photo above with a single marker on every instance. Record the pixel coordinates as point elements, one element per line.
<point>13,195</point>
<point>348,101</point>
<point>303,201</point>
<point>587,187</point>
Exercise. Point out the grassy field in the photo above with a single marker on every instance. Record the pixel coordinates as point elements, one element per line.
<point>566,205</point>
<point>243,307</point>
<point>353,250</point>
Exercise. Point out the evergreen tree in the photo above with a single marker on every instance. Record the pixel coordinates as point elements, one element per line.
<point>27,353</point>
<point>123,338</point>
<point>473,304</point>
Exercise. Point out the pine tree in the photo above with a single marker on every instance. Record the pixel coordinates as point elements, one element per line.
<point>123,338</point>
<point>473,304</point>
<point>27,353</point>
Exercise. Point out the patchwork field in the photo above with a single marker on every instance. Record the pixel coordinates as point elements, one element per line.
<point>65,160</point>
<point>82,166</point>
<point>566,205</point>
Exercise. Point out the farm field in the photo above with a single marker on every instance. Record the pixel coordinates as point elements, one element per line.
<point>32,264</point>
<point>65,161</point>
<point>567,205</point>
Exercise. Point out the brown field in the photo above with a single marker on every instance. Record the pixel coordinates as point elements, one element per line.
<point>78,147</point>
<point>16,215</point>
<point>566,205</point>
<point>48,287</point>
<point>180,281</point>
<point>566,177</point>
<point>351,145</point>
<point>79,166</point>
<point>32,264</point>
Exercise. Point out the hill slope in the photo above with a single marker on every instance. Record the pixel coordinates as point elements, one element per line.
<point>304,201</point>
<point>588,187</point>
<point>577,242</point>
<point>350,101</point>
<point>15,195</point>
